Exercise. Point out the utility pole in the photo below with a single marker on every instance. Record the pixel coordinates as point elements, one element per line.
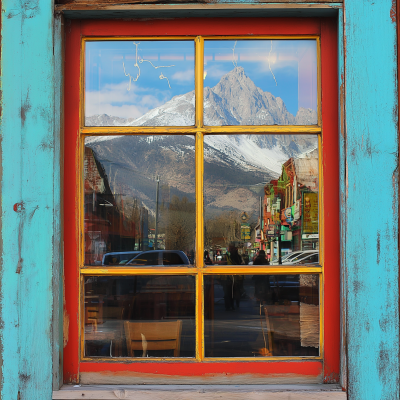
<point>156,230</point>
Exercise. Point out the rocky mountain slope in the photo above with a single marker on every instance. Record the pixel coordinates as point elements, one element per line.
<point>235,100</point>
<point>235,166</point>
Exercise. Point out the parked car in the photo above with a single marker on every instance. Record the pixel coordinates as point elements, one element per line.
<point>119,257</point>
<point>159,257</point>
<point>305,259</point>
<point>291,256</point>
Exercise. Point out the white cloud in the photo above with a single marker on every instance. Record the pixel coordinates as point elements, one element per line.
<point>117,100</point>
<point>214,71</point>
<point>184,76</point>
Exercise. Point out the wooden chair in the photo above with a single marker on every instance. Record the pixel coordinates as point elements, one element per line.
<point>115,313</point>
<point>270,330</point>
<point>92,314</point>
<point>147,336</point>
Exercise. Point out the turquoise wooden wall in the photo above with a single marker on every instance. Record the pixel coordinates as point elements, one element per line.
<point>370,200</point>
<point>30,239</point>
<point>30,192</point>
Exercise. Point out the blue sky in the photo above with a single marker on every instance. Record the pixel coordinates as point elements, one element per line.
<point>110,64</point>
<point>274,67</point>
<point>117,87</point>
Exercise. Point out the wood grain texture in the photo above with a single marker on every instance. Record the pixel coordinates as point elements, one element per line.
<point>342,200</point>
<point>371,189</point>
<point>29,188</point>
<point>109,2</point>
<point>57,281</point>
<point>189,4</point>
<point>208,378</point>
<point>203,394</point>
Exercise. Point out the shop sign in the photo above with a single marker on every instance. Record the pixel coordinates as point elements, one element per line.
<point>287,236</point>
<point>297,210</point>
<point>245,231</point>
<point>310,213</point>
<point>310,236</point>
<point>271,230</point>
<point>287,215</point>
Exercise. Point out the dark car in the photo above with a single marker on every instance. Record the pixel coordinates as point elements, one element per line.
<point>159,257</point>
<point>119,257</point>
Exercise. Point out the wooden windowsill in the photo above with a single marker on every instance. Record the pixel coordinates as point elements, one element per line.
<point>206,392</point>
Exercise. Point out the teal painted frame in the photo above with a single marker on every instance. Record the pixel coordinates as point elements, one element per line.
<point>370,200</point>
<point>31,208</point>
<point>30,200</point>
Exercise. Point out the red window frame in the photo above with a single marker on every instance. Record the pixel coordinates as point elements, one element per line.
<point>328,369</point>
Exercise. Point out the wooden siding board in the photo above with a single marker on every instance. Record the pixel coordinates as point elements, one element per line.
<point>57,236</point>
<point>371,245</point>
<point>27,197</point>
<point>342,199</point>
<point>221,8</point>
<point>281,2</point>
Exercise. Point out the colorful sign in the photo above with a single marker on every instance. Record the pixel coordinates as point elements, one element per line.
<point>245,231</point>
<point>297,210</point>
<point>287,215</point>
<point>271,230</point>
<point>310,213</point>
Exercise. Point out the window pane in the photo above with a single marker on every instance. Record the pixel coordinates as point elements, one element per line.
<point>260,82</point>
<point>139,200</point>
<point>261,315</point>
<point>139,83</point>
<point>140,316</point>
<point>261,193</point>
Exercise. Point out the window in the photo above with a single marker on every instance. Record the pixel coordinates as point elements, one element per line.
<point>196,231</point>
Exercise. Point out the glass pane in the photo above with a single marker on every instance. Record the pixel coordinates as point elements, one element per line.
<point>260,82</point>
<point>261,195</point>
<point>139,83</point>
<point>140,316</point>
<point>139,200</point>
<point>261,315</point>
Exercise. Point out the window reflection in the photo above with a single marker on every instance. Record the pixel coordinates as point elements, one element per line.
<point>139,316</point>
<point>139,197</point>
<point>260,82</point>
<point>261,200</point>
<point>261,315</point>
<point>139,83</point>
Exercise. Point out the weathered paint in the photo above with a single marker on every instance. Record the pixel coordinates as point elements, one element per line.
<point>342,201</point>
<point>236,369</point>
<point>368,153</point>
<point>29,191</point>
<point>370,248</point>
<point>58,232</point>
<point>242,8</point>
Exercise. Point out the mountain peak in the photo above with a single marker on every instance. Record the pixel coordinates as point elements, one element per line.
<point>237,74</point>
<point>237,70</point>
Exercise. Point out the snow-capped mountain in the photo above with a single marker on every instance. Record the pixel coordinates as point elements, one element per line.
<point>235,100</point>
<point>232,163</point>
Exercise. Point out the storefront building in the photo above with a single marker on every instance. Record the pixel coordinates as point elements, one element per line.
<point>186,195</point>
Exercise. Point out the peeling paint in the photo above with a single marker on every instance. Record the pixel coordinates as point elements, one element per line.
<point>65,328</point>
<point>25,108</point>
<point>378,247</point>
<point>393,13</point>
<point>372,246</point>
<point>27,187</point>
<point>19,207</point>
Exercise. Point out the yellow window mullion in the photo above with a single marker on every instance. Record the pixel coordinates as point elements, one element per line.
<point>199,200</point>
<point>198,78</point>
<point>199,71</point>
<point>199,317</point>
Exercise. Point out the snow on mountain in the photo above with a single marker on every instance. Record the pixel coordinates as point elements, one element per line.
<point>235,100</point>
